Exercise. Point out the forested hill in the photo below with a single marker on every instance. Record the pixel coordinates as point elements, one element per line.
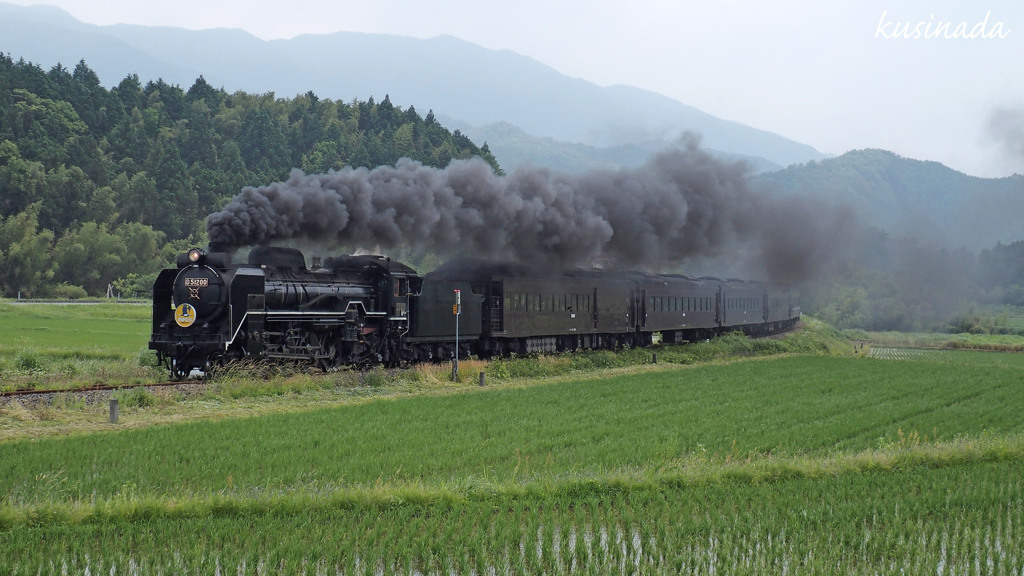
<point>101,186</point>
<point>905,197</point>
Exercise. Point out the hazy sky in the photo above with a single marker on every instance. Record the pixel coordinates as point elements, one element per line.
<point>838,75</point>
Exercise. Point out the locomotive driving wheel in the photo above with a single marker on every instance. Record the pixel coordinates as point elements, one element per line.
<point>330,356</point>
<point>178,372</point>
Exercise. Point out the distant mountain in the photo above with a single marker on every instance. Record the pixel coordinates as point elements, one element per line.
<point>514,147</point>
<point>455,78</point>
<point>914,198</point>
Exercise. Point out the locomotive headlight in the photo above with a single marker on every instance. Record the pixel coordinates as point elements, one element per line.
<point>195,255</point>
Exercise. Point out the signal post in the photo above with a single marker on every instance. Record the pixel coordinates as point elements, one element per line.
<point>456,310</point>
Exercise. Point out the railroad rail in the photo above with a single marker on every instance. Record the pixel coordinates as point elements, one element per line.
<point>84,389</point>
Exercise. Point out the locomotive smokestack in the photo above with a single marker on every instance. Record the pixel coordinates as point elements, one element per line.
<point>683,203</point>
<point>219,247</point>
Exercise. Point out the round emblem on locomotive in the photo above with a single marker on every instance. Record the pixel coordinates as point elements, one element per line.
<point>185,315</point>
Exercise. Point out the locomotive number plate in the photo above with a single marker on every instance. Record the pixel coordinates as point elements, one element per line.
<point>197,282</point>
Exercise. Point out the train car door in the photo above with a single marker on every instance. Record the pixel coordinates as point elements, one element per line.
<point>719,307</point>
<point>494,318</point>
<point>632,310</point>
<point>642,309</point>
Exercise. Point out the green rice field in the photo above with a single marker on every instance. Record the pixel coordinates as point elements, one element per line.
<point>49,346</point>
<point>795,463</point>
<point>93,330</point>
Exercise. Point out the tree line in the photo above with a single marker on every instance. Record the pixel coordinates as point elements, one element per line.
<point>894,283</point>
<point>100,187</point>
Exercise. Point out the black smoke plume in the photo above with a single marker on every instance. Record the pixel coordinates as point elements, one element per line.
<point>682,204</point>
<point>1006,126</point>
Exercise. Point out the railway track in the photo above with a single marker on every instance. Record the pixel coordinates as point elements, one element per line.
<point>30,393</point>
<point>35,393</point>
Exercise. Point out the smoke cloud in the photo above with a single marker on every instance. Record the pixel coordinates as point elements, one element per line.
<point>1006,126</point>
<point>682,204</point>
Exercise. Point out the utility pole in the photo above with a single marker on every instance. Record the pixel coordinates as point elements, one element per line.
<point>457,310</point>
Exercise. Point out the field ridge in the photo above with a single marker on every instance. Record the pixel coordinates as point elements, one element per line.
<point>696,470</point>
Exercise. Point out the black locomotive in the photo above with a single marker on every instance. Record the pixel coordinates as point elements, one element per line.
<point>368,310</point>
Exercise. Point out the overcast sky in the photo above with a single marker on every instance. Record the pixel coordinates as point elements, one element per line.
<point>838,75</point>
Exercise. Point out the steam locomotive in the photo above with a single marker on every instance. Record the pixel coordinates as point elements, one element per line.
<point>370,310</point>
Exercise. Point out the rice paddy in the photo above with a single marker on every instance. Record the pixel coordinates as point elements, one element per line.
<point>818,462</point>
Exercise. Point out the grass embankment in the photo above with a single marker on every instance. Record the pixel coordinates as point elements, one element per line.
<point>246,390</point>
